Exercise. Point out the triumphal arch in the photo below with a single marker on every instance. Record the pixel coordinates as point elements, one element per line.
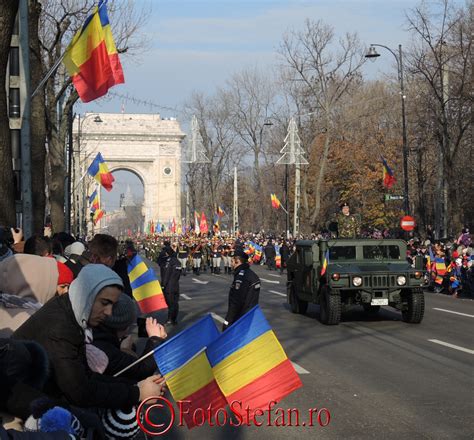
<point>144,144</point>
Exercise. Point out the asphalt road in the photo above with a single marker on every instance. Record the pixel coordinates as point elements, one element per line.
<point>379,378</point>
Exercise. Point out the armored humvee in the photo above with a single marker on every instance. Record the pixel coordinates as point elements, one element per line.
<point>366,272</point>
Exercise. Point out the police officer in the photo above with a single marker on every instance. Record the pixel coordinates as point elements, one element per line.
<point>348,225</point>
<point>245,289</point>
<point>170,281</point>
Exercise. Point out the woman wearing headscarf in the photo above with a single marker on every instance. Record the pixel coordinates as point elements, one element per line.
<point>26,283</point>
<point>63,327</point>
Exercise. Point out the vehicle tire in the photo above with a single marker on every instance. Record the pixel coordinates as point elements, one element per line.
<point>371,310</point>
<point>296,305</point>
<point>329,306</point>
<point>415,307</point>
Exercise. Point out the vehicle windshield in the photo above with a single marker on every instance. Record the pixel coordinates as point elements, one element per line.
<point>342,253</point>
<point>381,252</point>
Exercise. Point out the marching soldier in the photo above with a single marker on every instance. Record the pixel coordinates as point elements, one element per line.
<point>196,253</point>
<point>183,252</point>
<point>245,289</point>
<point>348,225</point>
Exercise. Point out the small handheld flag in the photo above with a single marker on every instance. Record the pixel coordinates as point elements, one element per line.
<point>184,364</point>
<point>325,262</point>
<point>100,172</point>
<point>146,288</point>
<point>250,365</point>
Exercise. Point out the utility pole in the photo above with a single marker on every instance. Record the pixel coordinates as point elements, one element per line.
<point>293,154</point>
<point>235,211</point>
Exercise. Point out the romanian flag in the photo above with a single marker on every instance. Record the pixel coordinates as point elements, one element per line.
<point>94,201</point>
<point>98,214</point>
<point>100,172</point>
<point>183,363</point>
<point>216,223</point>
<point>388,177</point>
<point>220,211</point>
<point>275,202</point>
<point>91,58</point>
<point>429,259</point>
<point>258,253</point>
<point>277,257</point>
<point>146,288</point>
<point>325,262</point>
<point>250,366</point>
<point>440,270</point>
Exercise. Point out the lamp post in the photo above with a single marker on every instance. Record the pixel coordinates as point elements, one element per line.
<point>372,54</point>
<point>78,195</point>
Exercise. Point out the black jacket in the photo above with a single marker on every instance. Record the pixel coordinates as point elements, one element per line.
<point>284,252</point>
<point>243,294</point>
<point>172,272</point>
<point>54,326</point>
<point>270,251</point>
<point>107,340</point>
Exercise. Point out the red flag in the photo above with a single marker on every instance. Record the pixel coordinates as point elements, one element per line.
<point>203,225</point>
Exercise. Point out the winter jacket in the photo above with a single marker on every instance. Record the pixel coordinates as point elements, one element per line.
<point>172,272</point>
<point>55,327</point>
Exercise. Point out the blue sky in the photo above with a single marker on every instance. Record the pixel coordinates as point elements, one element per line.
<point>196,45</point>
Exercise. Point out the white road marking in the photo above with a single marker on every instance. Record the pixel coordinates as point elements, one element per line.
<point>277,293</point>
<point>456,347</point>
<point>217,317</point>
<point>270,281</point>
<point>299,369</point>
<point>451,311</point>
<point>185,296</point>
<point>273,275</point>
<point>199,281</point>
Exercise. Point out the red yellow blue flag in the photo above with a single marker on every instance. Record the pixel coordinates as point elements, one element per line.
<point>146,288</point>
<point>99,170</point>
<point>250,366</point>
<point>183,362</point>
<point>94,201</point>
<point>91,58</point>
<point>388,176</point>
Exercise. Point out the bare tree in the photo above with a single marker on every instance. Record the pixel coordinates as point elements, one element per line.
<point>59,22</point>
<point>8,10</point>
<point>441,59</point>
<point>327,75</point>
<point>252,97</point>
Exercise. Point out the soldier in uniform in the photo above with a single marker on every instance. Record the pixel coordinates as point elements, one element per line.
<point>183,253</point>
<point>348,225</point>
<point>245,289</point>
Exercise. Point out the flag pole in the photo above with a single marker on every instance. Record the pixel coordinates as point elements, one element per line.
<point>152,352</point>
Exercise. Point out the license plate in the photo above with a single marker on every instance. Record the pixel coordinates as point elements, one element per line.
<point>379,302</point>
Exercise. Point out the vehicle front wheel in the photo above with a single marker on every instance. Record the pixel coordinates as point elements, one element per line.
<point>329,306</point>
<point>414,309</point>
<point>296,305</point>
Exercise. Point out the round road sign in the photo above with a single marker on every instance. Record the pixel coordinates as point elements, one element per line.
<point>407,223</point>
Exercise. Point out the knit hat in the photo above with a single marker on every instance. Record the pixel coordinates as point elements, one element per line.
<point>77,248</point>
<point>65,274</point>
<point>124,313</point>
<point>90,281</point>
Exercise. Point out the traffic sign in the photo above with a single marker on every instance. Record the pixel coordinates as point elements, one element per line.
<point>392,197</point>
<point>407,223</point>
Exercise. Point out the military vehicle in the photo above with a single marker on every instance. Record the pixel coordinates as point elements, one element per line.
<point>371,273</point>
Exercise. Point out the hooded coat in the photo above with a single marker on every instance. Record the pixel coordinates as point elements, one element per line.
<point>59,326</point>
<point>29,278</point>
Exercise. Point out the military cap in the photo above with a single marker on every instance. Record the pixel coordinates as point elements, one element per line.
<point>344,205</point>
<point>239,253</point>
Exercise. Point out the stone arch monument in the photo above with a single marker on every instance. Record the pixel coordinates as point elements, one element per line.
<point>144,144</point>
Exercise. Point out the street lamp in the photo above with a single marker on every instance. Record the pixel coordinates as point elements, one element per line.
<point>372,54</point>
<point>78,209</point>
